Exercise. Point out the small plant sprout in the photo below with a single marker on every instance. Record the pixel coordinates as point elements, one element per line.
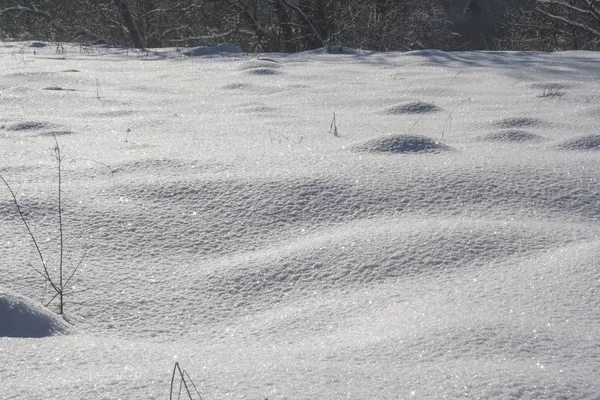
<point>185,383</point>
<point>333,127</point>
<point>60,48</point>
<point>59,282</point>
<point>111,169</point>
<point>448,122</point>
<point>98,95</point>
<point>551,92</point>
<point>277,137</point>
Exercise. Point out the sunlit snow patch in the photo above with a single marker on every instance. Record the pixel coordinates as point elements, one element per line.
<point>400,144</point>
<point>55,133</point>
<point>22,317</point>
<point>590,142</point>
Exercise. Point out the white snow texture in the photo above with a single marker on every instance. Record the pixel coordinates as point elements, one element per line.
<point>445,245</point>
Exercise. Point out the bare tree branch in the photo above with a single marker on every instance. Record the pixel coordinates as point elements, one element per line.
<point>59,159</point>
<point>295,7</point>
<point>207,37</point>
<point>46,273</point>
<point>59,283</point>
<point>245,11</point>
<point>28,10</point>
<point>594,9</point>
<point>81,30</point>
<point>53,22</point>
<point>565,5</point>
<point>568,21</point>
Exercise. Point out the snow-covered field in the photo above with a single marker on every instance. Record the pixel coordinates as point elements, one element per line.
<point>445,245</point>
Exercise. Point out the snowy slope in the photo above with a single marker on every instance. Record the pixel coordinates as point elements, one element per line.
<point>445,245</point>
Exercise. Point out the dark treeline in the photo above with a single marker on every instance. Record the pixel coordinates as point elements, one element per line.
<point>296,25</point>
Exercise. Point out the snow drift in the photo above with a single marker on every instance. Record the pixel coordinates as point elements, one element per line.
<point>22,317</point>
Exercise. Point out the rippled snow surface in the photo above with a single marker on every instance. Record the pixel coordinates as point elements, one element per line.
<point>445,245</point>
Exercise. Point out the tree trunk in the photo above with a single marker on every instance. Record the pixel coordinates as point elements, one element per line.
<point>287,33</point>
<point>130,24</point>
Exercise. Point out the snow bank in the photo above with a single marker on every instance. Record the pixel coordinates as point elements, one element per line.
<point>213,50</point>
<point>22,317</point>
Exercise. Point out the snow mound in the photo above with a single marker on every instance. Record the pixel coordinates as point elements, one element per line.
<point>257,109</point>
<point>400,144</point>
<point>263,71</point>
<point>259,63</point>
<point>227,48</point>
<point>30,126</point>
<point>518,123</point>
<point>590,142</point>
<point>238,85</point>
<point>58,89</point>
<point>415,107</point>
<point>512,136</point>
<point>549,86</point>
<point>22,317</point>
